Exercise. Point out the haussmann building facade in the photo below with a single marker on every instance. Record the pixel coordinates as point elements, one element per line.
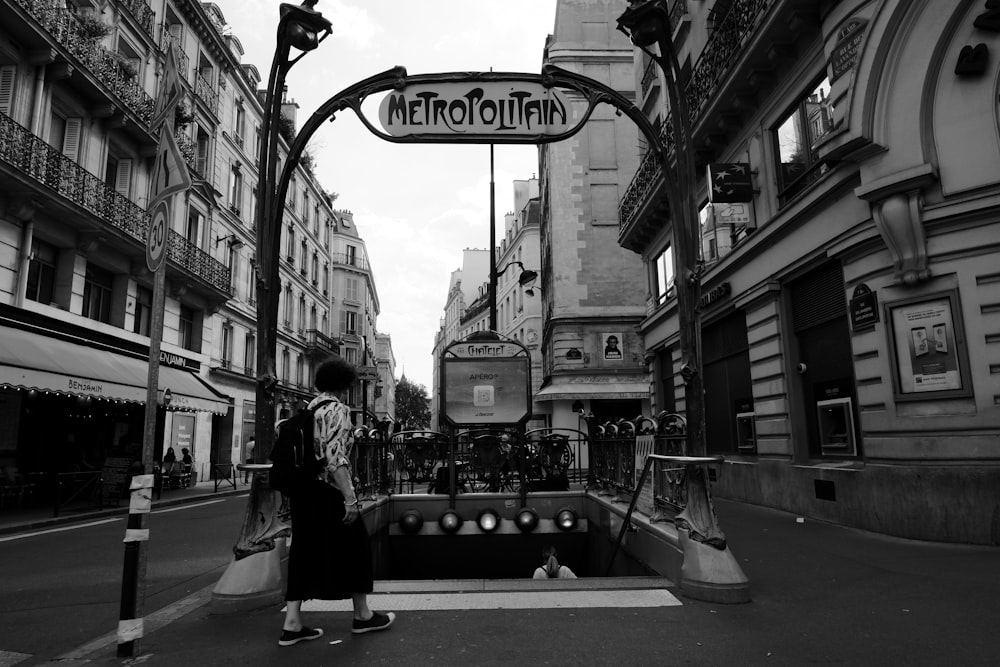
<point>849,300</point>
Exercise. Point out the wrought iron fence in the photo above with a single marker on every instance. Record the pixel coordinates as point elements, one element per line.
<point>141,12</point>
<point>203,89</point>
<point>487,460</point>
<point>183,62</point>
<point>618,450</point>
<point>715,60</point>
<point>35,158</point>
<point>371,461</point>
<point>106,66</point>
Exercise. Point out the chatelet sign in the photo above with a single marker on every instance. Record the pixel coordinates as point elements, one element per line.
<point>454,109</point>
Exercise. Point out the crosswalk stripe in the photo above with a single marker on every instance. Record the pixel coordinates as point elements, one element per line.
<point>508,600</point>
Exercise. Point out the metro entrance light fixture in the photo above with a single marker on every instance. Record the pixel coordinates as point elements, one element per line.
<point>304,25</point>
<point>643,22</point>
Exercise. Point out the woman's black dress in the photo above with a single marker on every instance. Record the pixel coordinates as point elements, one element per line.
<point>328,559</point>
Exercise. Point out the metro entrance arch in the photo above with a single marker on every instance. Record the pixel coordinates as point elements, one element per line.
<point>455,107</point>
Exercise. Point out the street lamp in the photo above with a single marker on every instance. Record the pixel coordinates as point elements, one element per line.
<point>647,22</point>
<point>242,585</point>
<point>304,28</point>
<point>527,277</point>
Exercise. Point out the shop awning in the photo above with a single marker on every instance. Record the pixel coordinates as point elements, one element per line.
<point>31,360</point>
<point>594,387</point>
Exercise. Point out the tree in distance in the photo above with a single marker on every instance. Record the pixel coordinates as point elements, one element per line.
<point>412,407</point>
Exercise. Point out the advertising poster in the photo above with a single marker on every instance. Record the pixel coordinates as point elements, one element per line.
<point>926,348</point>
<point>612,343</point>
<point>486,391</point>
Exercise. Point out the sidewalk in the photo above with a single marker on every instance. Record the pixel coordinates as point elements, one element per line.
<point>821,593</point>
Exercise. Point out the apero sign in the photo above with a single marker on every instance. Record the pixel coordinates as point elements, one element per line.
<point>485,382</point>
<point>455,109</point>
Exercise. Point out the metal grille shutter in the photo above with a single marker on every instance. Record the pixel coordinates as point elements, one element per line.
<point>818,297</point>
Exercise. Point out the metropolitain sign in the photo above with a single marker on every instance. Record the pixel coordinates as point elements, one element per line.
<point>456,109</point>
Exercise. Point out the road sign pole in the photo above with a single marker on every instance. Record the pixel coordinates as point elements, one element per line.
<point>130,617</point>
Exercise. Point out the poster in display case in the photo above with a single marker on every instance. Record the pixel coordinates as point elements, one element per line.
<point>927,345</point>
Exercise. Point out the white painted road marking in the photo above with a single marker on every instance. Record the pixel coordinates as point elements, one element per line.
<point>507,600</point>
<point>8,658</point>
<point>57,530</point>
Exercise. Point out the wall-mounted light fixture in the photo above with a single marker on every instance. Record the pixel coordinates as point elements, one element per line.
<point>231,239</point>
<point>526,279</point>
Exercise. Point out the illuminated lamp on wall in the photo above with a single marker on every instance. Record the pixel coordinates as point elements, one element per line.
<point>526,520</point>
<point>411,521</point>
<point>488,520</point>
<point>450,522</point>
<point>565,519</point>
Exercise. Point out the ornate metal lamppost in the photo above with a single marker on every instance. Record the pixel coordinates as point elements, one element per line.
<point>647,23</point>
<point>301,27</point>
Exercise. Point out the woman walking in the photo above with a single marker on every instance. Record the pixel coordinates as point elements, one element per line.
<point>330,557</point>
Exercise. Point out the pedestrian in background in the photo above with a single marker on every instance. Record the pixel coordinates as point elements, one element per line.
<point>251,443</point>
<point>551,569</point>
<point>330,556</point>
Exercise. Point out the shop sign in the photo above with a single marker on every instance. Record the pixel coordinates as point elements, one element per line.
<point>734,214</point>
<point>714,295</point>
<point>864,308</point>
<point>455,109</point>
<point>730,182</point>
<point>174,360</point>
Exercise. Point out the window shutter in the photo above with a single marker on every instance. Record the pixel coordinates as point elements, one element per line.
<point>123,178</point>
<point>175,32</point>
<point>818,297</point>
<point>71,139</point>
<point>7,73</point>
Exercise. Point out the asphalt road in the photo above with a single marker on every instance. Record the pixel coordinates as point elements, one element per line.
<point>61,587</point>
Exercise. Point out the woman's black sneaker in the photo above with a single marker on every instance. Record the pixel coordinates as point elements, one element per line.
<point>289,637</point>
<point>374,624</point>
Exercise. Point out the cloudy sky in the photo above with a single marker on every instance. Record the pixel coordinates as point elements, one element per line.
<point>417,206</point>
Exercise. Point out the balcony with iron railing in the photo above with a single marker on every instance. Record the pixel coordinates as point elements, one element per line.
<point>722,51</point>
<point>106,67</point>
<point>319,343</point>
<point>204,91</point>
<point>141,12</point>
<point>649,77</point>
<point>34,159</point>
<point>345,259</point>
<point>188,149</point>
<point>183,62</point>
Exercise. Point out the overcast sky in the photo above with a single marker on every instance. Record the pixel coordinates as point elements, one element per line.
<point>416,206</point>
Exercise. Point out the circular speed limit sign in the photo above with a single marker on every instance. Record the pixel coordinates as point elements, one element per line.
<point>156,239</point>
